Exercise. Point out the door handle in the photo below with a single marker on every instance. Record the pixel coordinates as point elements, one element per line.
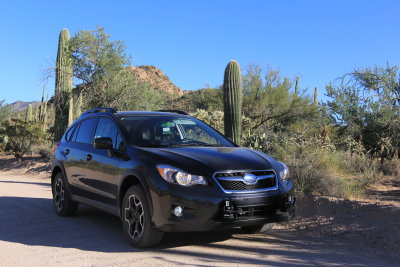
<point>66,152</point>
<point>89,157</point>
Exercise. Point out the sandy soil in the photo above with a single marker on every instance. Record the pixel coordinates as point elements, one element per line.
<point>326,232</point>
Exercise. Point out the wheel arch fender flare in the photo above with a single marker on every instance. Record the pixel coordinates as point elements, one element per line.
<point>58,166</point>
<point>129,178</point>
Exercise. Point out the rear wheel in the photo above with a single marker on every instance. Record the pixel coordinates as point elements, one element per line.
<point>136,219</point>
<point>264,228</point>
<point>63,203</point>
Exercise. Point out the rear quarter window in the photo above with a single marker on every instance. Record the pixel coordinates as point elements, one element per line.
<point>69,134</point>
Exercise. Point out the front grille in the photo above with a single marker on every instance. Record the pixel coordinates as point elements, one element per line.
<point>233,181</point>
<point>239,185</point>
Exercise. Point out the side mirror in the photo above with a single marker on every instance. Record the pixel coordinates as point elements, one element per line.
<point>103,143</point>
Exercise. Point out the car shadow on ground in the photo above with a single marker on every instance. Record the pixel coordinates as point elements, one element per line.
<point>18,182</point>
<point>33,222</point>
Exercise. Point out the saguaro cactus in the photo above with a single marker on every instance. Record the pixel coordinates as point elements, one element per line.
<point>315,96</point>
<point>78,104</point>
<point>29,113</point>
<point>63,88</point>
<point>233,101</point>
<point>296,87</point>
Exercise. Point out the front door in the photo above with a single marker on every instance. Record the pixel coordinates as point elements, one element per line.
<point>101,171</point>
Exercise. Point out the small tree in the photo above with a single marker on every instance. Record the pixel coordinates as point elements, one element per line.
<point>365,105</point>
<point>270,104</point>
<point>100,68</point>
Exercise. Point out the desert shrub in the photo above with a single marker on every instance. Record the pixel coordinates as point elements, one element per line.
<point>308,175</point>
<point>22,135</point>
<point>318,169</point>
<point>44,150</point>
<point>306,169</point>
<point>391,168</point>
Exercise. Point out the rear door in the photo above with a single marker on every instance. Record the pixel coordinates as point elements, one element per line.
<point>79,150</point>
<point>68,150</point>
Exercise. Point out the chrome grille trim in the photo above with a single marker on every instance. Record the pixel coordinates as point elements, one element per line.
<point>240,178</point>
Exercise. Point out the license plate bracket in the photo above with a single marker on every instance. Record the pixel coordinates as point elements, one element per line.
<point>230,212</point>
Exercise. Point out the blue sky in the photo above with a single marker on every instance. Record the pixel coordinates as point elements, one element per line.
<point>192,41</point>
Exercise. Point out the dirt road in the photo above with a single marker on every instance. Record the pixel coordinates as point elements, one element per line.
<point>31,234</point>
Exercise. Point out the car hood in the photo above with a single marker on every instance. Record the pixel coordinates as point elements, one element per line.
<point>211,159</point>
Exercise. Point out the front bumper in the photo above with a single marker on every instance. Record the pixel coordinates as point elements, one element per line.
<point>204,211</point>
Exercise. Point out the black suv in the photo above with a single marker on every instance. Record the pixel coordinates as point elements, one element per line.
<point>166,171</point>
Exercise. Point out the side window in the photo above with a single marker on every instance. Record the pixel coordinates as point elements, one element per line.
<point>70,132</point>
<point>106,128</point>
<point>85,133</point>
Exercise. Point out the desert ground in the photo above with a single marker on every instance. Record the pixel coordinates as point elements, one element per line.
<point>326,231</point>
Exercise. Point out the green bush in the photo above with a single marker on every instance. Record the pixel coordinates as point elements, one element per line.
<point>22,136</point>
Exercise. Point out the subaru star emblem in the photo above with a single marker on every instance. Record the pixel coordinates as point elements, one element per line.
<point>249,178</point>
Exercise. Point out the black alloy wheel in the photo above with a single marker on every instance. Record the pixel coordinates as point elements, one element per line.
<point>136,219</point>
<point>63,203</point>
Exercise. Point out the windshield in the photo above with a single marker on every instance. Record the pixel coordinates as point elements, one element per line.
<point>169,131</point>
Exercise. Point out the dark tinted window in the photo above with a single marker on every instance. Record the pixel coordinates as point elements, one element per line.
<point>70,132</point>
<point>85,133</point>
<point>73,138</point>
<point>106,128</point>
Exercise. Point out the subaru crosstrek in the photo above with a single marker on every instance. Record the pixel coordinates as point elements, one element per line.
<point>166,171</point>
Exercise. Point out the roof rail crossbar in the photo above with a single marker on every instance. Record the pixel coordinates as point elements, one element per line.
<point>174,111</point>
<point>96,110</point>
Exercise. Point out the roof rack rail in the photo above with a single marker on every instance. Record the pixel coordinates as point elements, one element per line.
<point>174,111</point>
<point>97,110</point>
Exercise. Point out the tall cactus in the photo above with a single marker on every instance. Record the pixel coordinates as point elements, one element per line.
<point>296,87</point>
<point>63,88</point>
<point>78,104</point>
<point>233,101</point>
<point>44,121</point>
<point>315,96</point>
<point>37,116</point>
<point>41,107</point>
<point>29,113</point>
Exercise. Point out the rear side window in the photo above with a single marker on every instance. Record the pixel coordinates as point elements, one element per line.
<point>85,133</point>
<point>70,132</point>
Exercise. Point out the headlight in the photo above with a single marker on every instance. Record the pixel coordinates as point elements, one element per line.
<point>284,173</point>
<point>177,176</point>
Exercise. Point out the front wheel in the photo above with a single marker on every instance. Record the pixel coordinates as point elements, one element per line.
<point>136,219</point>
<point>63,203</point>
<point>262,229</point>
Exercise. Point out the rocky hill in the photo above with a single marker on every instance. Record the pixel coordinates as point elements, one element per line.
<point>147,73</point>
<point>156,78</point>
<point>19,106</point>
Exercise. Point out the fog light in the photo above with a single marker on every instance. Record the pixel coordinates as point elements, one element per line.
<point>177,211</point>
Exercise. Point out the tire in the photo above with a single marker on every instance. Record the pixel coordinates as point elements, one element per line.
<point>62,201</point>
<point>262,229</point>
<point>136,219</point>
